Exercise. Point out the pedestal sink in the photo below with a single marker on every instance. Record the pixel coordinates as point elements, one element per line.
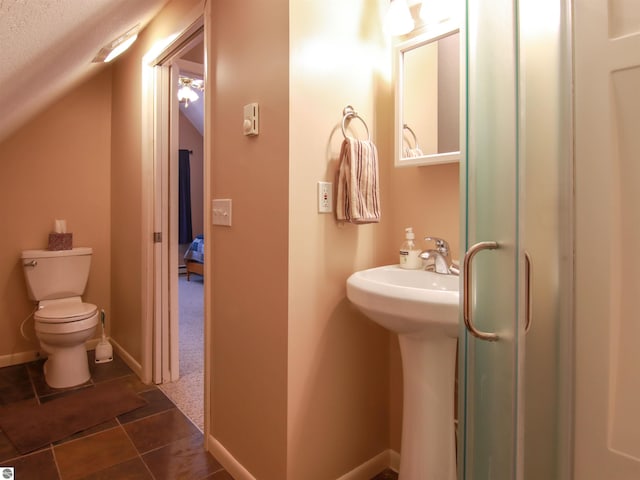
<point>422,308</point>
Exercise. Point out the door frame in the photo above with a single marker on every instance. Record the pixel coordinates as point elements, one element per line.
<point>157,328</point>
<point>164,272</point>
<point>604,53</point>
<point>166,311</point>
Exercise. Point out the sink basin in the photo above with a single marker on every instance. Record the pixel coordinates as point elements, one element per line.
<point>422,308</point>
<point>407,301</point>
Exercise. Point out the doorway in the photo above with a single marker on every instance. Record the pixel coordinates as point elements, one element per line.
<point>187,390</point>
<point>177,344</point>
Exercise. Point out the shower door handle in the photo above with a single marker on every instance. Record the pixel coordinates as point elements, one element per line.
<point>466,297</point>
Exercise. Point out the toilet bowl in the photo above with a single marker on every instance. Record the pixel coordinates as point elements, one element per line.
<point>63,327</point>
<point>63,322</point>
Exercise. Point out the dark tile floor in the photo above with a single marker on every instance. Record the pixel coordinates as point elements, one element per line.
<point>388,474</point>
<point>153,442</point>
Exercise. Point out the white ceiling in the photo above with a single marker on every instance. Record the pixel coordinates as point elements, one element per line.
<point>195,113</point>
<point>47,47</point>
<point>191,64</point>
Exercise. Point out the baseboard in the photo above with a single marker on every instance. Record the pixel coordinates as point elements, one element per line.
<point>394,460</point>
<point>230,464</point>
<point>131,362</point>
<point>374,466</point>
<point>366,471</point>
<point>18,358</point>
<point>31,355</point>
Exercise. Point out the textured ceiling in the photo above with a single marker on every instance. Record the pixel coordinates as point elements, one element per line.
<point>46,46</point>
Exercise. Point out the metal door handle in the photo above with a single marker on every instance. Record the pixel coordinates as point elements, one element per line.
<point>527,291</point>
<point>466,303</point>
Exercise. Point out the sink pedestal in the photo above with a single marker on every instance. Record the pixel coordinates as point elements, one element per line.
<point>422,308</point>
<point>428,432</point>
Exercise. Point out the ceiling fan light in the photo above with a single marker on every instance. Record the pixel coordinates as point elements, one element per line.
<point>187,95</point>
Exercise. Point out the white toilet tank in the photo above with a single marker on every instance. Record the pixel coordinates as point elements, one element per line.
<point>52,274</point>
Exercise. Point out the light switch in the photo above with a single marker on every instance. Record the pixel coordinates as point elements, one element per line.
<point>221,212</point>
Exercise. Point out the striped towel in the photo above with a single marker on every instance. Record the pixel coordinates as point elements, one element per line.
<point>412,152</point>
<point>358,198</point>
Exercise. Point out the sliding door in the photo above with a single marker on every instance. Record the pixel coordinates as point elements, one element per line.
<point>491,356</point>
<point>517,228</point>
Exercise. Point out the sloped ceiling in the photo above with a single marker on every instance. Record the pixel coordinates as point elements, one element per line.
<point>46,47</point>
<point>191,64</point>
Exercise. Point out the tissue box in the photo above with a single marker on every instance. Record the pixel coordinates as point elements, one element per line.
<point>60,241</point>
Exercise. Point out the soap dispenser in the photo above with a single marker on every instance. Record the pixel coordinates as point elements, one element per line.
<point>409,251</point>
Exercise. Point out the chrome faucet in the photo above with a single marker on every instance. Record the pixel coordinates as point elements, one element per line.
<point>438,260</point>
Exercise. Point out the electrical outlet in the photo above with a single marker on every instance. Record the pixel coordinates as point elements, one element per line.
<point>325,197</point>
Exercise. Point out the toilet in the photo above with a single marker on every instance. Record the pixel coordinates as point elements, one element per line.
<point>63,322</point>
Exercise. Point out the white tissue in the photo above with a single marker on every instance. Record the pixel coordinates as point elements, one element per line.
<point>60,226</point>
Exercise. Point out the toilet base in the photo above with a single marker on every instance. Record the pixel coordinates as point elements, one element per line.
<point>66,367</point>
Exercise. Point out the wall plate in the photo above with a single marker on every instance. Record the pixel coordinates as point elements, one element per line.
<point>221,212</point>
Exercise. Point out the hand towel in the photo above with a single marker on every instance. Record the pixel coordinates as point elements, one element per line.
<point>358,198</point>
<point>412,152</point>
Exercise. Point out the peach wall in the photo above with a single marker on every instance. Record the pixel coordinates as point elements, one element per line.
<point>426,198</point>
<point>126,215</point>
<point>247,264</point>
<point>56,166</point>
<point>344,372</point>
<point>338,414</point>
<point>130,175</point>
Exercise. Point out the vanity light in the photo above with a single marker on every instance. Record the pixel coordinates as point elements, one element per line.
<point>398,20</point>
<point>434,11</point>
<point>117,46</point>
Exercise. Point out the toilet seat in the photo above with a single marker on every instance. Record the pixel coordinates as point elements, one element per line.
<point>65,312</point>
<point>66,317</point>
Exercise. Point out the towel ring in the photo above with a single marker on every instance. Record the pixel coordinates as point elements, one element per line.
<point>413,134</point>
<point>348,113</point>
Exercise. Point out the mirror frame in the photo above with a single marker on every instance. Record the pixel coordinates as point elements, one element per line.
<point>433,34</point>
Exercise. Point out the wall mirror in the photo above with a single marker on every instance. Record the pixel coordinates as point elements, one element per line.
<point>427,100</point>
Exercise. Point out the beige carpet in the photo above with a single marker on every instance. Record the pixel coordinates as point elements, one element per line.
<point>188,391</point>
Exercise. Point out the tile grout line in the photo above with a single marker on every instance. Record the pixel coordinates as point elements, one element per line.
<point>55,462</point>
<point>136,448</point>
<point>119,425</point>
<point>181,411</point>
<point>142,454</point>
<point>37,389</point>
<point>33,385</point>
<point>155,414</point>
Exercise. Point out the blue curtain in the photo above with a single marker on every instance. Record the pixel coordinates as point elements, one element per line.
<point>185,234</point>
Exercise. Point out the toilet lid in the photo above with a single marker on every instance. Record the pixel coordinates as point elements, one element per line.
<point>66,312</point>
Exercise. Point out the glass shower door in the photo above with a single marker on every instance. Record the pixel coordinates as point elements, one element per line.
<point>490,356</point>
